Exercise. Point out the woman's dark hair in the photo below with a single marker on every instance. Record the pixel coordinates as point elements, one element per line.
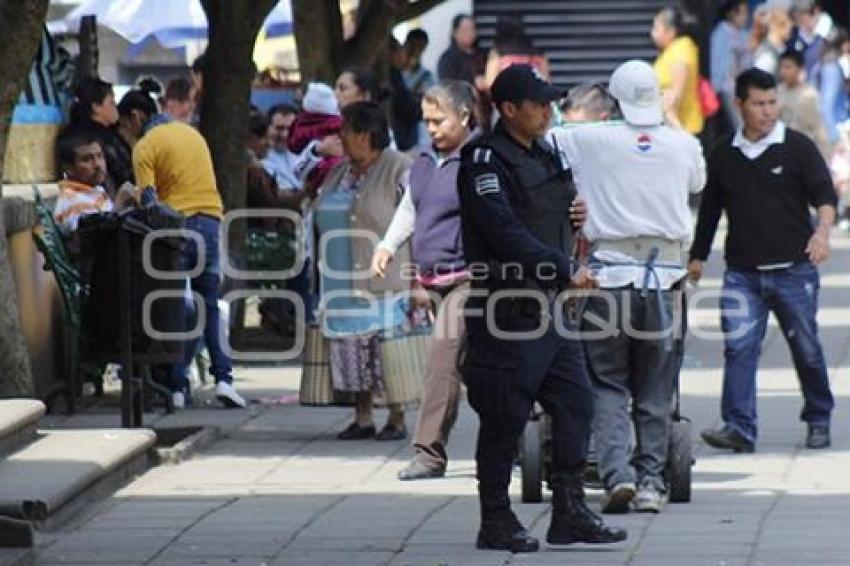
<point>139,99</point>
<point>199,63</point>
<point>683,21</point>
<point>511,39</point>
<point>365,80</point>
<point>753,78</point>
<point>367,118</point>
<point>89,91</point>
<point>259,123</point>
<point>456,21</point>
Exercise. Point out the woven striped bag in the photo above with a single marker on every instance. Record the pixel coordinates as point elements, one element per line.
<point>404,358</point>
<point>316,388</point>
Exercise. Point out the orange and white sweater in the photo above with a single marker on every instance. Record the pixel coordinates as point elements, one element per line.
<point>78,199</point>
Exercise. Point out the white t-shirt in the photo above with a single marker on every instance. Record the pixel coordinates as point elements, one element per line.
<point>636,182</point>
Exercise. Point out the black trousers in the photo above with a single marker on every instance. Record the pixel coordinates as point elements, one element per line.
<point>505,377</point>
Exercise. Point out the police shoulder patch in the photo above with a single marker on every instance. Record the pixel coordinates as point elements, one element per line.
<point>482,155</point>
<point>487,183</point>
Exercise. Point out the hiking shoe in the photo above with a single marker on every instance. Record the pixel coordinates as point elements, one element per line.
<point>617,499</point>
<point>649,499</point>
<point>228,396</point>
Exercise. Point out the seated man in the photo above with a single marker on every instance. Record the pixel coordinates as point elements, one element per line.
<point>81,189</point>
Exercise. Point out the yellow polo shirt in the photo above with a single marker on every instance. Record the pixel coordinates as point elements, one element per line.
<point>175,159</point>
<point>682,50</point>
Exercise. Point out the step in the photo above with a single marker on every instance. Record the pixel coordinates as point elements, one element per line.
<point>48,480</point>
<point>18,421</point>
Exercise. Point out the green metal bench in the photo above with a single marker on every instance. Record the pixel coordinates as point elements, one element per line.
<point>57,258</point>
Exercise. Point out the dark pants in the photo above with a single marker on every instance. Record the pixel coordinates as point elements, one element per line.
<point>505,377</point>
<point>207,286</point>
<point>749,296</point>
<point>634,378</point>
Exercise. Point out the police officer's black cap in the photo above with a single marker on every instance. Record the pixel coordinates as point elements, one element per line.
<point>523,82</point>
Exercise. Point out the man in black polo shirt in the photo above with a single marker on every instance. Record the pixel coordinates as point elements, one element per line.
<point>765,177</point>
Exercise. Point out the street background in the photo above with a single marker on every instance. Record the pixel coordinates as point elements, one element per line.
<point>280,489</point>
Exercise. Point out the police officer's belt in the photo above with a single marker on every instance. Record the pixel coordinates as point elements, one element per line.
<point>639,248</point>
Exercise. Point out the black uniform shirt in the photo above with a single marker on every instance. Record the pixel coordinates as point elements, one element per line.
<point>501,219</point>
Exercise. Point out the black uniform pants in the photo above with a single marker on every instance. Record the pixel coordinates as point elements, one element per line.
<point>505,377</point>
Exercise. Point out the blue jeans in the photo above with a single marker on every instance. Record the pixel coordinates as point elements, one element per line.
<point>207,285</point>
<point>749,296</point>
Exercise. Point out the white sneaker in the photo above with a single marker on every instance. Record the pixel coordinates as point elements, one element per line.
<point>649,499</point>
<point>617,499</point>
<point>228,396</point>
<point>178,400</point>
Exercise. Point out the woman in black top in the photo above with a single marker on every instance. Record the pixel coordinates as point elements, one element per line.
<point>94,110</point>
<point>462,61</point>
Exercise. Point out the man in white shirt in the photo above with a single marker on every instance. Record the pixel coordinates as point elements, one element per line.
<point>636,176</point>
<point>279,162</point>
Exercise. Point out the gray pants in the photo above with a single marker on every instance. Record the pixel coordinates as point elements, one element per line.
<point>636,367</point>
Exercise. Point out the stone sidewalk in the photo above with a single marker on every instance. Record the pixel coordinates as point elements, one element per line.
<point>280,490</point>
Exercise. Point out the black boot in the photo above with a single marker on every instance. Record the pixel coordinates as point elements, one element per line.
<point>572,520</point>
<point>500,529</point>
<point>15,533</point>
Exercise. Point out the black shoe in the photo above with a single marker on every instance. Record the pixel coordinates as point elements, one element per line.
<point>818,437</point>
<point>392,432</point>
<point>357,432</point>
<point>416,470</point>
<point>572,520</point>
<point>501,530</point>
<point>727,438</point>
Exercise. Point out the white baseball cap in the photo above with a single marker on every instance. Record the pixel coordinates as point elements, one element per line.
<point>635,86</point>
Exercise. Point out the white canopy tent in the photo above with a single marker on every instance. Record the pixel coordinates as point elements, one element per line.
<point>172,22</point>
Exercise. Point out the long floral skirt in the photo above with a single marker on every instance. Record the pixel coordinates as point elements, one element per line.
<point>356,364</point>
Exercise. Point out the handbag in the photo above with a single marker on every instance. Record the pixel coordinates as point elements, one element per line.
<point>316,387</point>
<point>709,103</point>
<point>404,357</point>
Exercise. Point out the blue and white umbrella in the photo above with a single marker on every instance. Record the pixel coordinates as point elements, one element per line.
<point>173,23</point>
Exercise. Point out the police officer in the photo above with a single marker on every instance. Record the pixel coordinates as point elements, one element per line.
<point>515,213</point>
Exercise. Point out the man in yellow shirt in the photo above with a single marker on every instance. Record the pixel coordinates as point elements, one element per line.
<point>174,158</point>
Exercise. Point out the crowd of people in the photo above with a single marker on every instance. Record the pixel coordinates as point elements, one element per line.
<point>489,197</point>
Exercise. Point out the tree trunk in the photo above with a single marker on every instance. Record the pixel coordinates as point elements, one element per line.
<point>322,51</point>
<point>318,39</point>
<point>21,23</point>
<point>226,96</point>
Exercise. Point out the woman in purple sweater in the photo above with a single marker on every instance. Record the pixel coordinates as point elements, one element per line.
<point>430,213</point>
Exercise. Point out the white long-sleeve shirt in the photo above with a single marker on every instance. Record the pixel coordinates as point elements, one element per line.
<point>401,227</point>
